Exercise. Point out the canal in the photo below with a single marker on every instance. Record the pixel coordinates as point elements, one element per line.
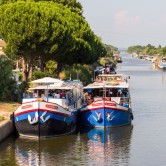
<point>142,144</point>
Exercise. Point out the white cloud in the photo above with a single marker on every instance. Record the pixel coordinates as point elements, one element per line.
<point>124,18</point>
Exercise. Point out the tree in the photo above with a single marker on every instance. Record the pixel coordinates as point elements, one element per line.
<point>77,72</point>
<point>72,4</point>
<point>163,51</point>
<point>7,84</point>
<point>47,30</point>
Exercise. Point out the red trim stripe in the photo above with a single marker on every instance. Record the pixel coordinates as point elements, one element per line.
<point>42,110</point>
<point>114,109</point>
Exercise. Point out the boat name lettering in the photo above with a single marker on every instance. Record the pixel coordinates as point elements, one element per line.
<point>96,104</point>
<point>110,104</point>
<point>26,106</point>
<point>51,106</point>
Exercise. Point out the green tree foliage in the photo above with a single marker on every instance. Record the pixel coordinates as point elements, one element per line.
<point>146,50</point>
<point>163,51</point>
<point>51,66</point>
<point>137,49</point>
<point>111,50</point>
<point>78,72</point>
<point>48,30</point>
<point>38,74</point>
<point>103,61</point>
<point>72,4</point>
<point>7,84</point>
<point>23,87</point>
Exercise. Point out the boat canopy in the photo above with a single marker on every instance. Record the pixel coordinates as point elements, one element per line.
<point>107,85</point>
<point>52,87</point>
<point>47,80</point>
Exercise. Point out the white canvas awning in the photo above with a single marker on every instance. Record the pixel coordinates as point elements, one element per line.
<point>47,80</point>
<point>45,87</point>
<point>106,85</point>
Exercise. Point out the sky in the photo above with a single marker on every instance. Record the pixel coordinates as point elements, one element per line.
<point>124,23</point>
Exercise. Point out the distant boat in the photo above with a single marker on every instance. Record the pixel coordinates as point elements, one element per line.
<point>118,58</point>
<point>162,63</point>
<point>51,110</point>
<point>107,102</point>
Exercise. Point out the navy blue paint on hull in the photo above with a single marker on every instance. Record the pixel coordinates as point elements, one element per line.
<point>49,129</point>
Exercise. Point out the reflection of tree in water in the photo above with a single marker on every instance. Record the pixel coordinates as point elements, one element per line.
<point>109,146</point>
<point>7,153</point>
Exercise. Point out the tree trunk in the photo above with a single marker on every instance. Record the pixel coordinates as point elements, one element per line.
<point>27,69</point>
<point>59,67</point>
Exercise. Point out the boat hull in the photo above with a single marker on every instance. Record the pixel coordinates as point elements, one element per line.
<point>162,65</point>
<point>105,116</point>
<point>44,119</point>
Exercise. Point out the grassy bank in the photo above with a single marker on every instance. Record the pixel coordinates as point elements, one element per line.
<point>6,109</point>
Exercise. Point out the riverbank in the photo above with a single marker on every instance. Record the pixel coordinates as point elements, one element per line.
<point>6,123</point>
<point>6,109</point>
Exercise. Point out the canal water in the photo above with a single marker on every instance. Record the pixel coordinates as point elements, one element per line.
<point>141,144</point>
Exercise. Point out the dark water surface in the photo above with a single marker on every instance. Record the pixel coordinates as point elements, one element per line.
<point>142,144</point>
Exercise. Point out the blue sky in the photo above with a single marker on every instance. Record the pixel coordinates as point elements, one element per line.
<point>124,23</point>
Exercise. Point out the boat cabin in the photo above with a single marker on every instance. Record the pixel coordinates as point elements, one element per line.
<point>112,88</point>
<point>66,94</point>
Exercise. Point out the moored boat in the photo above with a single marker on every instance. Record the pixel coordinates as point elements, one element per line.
<point>51,111</point>
<point>118,58</point>
<point>107,102</point>
<point>162,64</point>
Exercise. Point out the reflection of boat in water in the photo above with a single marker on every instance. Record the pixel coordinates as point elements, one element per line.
<point>88,147</point>
<point>107,102</point>
<point>107,146</point>
<point>52,115</point>
<point>118,58</point>
<point>107,134</point>
<point>44,152</point>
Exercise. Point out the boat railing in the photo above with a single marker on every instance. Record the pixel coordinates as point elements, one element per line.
<point>115,99</point>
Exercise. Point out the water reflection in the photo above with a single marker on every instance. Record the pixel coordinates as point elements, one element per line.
<point>7,157</point>
<point>105,146</point>
<point>53,151</point>
<point>94,146</point>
